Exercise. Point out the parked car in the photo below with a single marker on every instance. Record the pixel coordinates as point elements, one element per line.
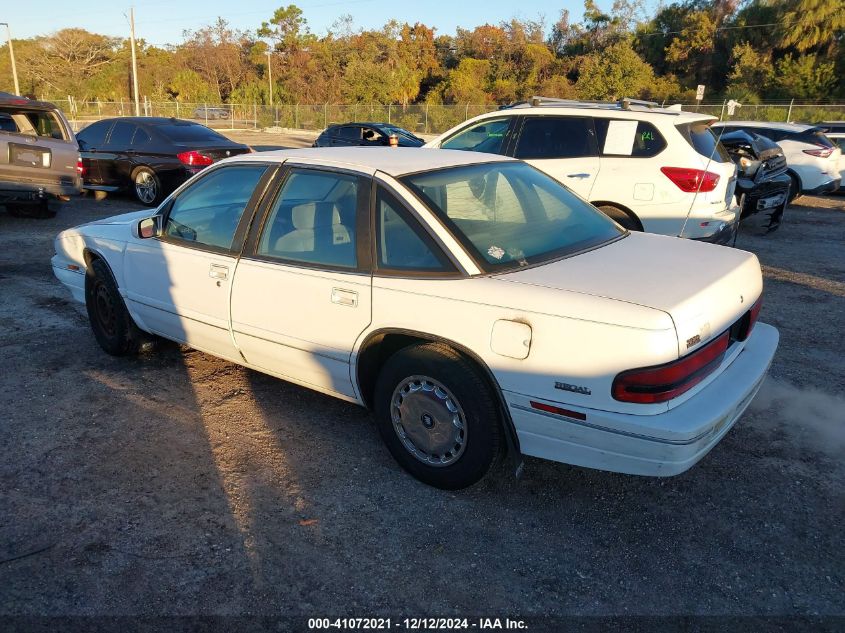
<point>811,158</point>
<point>39,157</point>
<point>149,156</point>
<point>838,138</point>
<point>366,135</point>
<point>649,168</point>
<point>762,184</point>
<point>469,299</point>
<point>210,113</point>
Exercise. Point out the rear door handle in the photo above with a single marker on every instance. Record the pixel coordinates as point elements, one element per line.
<point>344,297</point>
<point>577,175</point>
<point>218,271</point>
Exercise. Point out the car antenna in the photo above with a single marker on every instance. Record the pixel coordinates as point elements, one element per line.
<point>698,189</point>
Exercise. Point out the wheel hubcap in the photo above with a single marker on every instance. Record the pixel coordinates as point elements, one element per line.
<point>105,309</point>
<point>429,421</point>
<point>145,186</point>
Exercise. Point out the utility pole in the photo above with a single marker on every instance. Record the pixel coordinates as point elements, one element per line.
<point>134,60</point>
<point>270,75</point>
<point>12,55</point>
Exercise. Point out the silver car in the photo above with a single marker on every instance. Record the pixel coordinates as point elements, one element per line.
<point>39,157</point>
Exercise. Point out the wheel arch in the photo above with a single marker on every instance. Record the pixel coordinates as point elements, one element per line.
<point>607,203</point>
<point>794,174</point>
<point>381,344</point>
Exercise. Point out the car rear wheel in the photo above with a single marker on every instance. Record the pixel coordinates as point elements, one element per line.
<point>620,217</point>
<point>111,323</point>
<point>40,209</point>
<point>147,187</point>
<point>438,416</point>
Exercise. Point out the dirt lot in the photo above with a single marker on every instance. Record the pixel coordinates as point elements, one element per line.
<point>177,483</point>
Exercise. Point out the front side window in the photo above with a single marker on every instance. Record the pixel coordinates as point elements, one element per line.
<point>484,136</point>
<point>510,214</point>
<point>556,137</point>
<point>399,241</point>
<point>209,211</point>
<point>312,220</point>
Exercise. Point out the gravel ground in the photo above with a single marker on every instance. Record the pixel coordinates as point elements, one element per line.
<point>177,483</point>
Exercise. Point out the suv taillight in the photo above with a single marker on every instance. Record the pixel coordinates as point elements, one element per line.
<point>80,167</point>
<point>819,153</point>
<point>194,159</point>
<point>649,385</point>
<point>691,180</point>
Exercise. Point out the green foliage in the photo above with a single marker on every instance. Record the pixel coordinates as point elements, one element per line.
<point>613,73</point>
<point>803,77</point>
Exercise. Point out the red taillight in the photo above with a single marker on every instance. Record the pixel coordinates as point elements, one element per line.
<point>548,408</point>
<point>691,180</point>
<point>80,167</point>
<point>194,159</point>
<point>659,384</point>
<point>819,153</point>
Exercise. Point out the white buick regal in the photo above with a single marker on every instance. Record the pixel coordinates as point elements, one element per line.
<point>474,303</point>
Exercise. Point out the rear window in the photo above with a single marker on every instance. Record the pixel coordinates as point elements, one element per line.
<point>703,140</point>
<point>814,136</point>
<point>33,123</point>
<point>180,133</point>
<point>637,139</point>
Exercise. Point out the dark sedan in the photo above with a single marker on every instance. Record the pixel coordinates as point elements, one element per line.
<point>149,156</point>
<point>366,135</point>
<point>763,183</point>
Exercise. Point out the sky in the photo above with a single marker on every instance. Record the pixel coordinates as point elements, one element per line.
<point>162,22</point>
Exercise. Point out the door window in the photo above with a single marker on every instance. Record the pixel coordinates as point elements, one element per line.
<point>484,136</point>
<point>121,135</point>
<point>94,135</point>
<point>208,212</point>
<point>400,242</point>
<point>141,137</point>
<point>646,141</point>
<point>350,133</point>
<point>556,137</point>
<point>312,220</point>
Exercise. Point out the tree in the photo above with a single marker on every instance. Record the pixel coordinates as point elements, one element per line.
<point>804,77</point>
<point>287,28</point>
<point>750,74</point>
<point>613,73</point>
<point>813,25</point>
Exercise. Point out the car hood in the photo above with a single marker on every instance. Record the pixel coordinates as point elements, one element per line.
<point>704,288</point>
<point>122,219</point>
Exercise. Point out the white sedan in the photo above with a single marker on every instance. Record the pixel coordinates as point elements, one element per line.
<point>473,302</point>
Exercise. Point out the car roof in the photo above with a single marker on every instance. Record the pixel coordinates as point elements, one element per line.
<point>150,120</point>
<point>394,161</point>
<point>610,112</point>
<point>783,127</point>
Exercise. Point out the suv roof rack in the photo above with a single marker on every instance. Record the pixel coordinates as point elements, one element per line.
<point>625,103</point>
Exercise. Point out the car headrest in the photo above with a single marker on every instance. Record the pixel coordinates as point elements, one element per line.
<point>307,216</point>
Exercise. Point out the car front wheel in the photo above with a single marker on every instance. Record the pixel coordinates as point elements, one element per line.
<point>147,187</point>
<point>111,323</point>
<point>438,416</point>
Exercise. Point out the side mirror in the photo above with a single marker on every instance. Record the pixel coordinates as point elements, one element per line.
<point>149,227</point>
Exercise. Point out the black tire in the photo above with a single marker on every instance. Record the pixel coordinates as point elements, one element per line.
<point>113,328</point>
<point>466,390</point>
<point>794,188</point>
<point>39,210</point>
<point>620,217</point>
<point>146,186</point>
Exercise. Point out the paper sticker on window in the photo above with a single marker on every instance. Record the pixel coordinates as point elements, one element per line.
<point>496,251</point>
<point>620,137</point>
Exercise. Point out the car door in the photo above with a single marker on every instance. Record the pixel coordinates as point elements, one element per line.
<point>91,141</point>
<point>302,291</point>
<point>113,159</point>
<point>179,284</point>
<point>562,146</point>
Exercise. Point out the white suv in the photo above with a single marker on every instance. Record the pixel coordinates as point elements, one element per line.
<point>654,169</point>
<point>811,157</point>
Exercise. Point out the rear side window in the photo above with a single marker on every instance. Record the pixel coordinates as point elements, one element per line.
<point>815,137</point>
<point>638,139</point>
<point>350,133</point>
<point>208,212</point>
<point>703,140</point>
<point>556,137</point>
<point>94,135</point>
<point>141,137</point>
<point>121,134</point>
<point>189,132</point>
<point>483,136</point>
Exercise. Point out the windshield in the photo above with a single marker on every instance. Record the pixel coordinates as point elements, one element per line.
<point>509,214</point>
<point>398,131</point>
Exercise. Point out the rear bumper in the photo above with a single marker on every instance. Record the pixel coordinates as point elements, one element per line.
<point>657,445</point>
<point>35,189</point>
<point>724,235</point>
<point>827,187</point>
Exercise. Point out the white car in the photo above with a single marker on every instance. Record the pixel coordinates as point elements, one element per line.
<point>469,299</point>
<point>838,138</point>
<point>813,161</point>
<point>651,169</point>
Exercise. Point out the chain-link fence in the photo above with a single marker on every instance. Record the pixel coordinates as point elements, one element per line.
<point>420,119</point>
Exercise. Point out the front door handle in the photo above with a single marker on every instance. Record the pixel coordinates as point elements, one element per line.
<point>218,271</point>
<point>344,297</point>
<point>577,175</point>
